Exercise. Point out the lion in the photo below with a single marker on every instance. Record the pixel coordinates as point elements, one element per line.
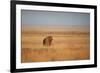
<point>47,41</point>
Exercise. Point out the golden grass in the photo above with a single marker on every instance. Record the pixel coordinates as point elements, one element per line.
<point>64,47</point>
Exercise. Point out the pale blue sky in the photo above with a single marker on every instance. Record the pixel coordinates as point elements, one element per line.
<point>50,18</point>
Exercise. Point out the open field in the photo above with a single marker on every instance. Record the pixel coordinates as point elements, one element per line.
<point>65,46</point>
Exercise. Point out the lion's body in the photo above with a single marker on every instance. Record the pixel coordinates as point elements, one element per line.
<point>47,41</point>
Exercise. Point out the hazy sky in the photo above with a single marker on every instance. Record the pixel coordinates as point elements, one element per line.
<point>50,18</point>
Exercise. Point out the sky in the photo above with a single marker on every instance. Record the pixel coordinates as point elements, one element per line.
<point>54,19</point>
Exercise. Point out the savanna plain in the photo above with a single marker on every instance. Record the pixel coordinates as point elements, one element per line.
<point>65,46</point>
